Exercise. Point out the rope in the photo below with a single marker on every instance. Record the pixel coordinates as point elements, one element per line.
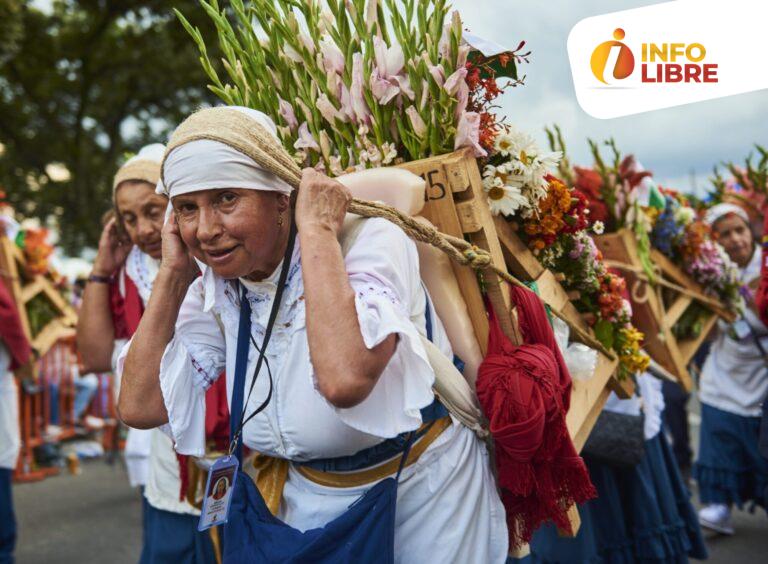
<point>243,133</point>
<point>640,274</point>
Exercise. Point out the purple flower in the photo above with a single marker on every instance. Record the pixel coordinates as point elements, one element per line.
<point>287,113</point>
<point>306,140</point>
<point>468,133</point>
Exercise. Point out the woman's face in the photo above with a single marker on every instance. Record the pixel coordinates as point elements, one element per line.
<point>234,231</point>
<point>142,212</point>
<point>733,233</point>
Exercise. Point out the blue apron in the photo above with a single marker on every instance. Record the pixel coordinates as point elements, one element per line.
<point>364,533</point>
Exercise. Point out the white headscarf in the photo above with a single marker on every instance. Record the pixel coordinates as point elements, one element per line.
<point>719,211</point>
<point>144,165</point>
<point>205,165</point>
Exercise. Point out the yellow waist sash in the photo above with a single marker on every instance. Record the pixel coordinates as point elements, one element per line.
<point>272,473</point>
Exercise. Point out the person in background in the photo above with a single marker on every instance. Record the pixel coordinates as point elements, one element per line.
<point>15,354</point>
<point>734,383</point>
<point>115,296</point>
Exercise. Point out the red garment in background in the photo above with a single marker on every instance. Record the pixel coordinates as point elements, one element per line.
<point>11,331</point>
<point>525,393</point>
<point>761,298</point>
<point>127,310</point>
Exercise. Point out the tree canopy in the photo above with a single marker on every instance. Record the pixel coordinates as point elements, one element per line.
<point>81,86</point>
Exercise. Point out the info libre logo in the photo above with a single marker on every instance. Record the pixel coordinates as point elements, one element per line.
<point>613,61</point>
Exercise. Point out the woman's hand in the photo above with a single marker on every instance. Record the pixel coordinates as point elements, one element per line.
<point>113,250</point>
<point>321,204</point>
<point>177,259</point>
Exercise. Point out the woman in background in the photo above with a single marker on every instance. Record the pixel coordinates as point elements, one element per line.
<point>118,289</point>
<point>734,383</point>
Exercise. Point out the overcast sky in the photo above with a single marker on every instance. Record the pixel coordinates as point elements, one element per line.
<point>674,143</point>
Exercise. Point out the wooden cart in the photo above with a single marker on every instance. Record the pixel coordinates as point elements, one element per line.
<point>25,288</point>
<point>656,308</point>
<point>456,205</point>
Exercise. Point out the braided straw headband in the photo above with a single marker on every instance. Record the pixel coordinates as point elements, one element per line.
<point>140,169</point>
<point>246,135</point>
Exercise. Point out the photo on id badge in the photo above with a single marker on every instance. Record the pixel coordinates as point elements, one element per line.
<point>218,493</point>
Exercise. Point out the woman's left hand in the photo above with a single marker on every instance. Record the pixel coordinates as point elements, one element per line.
<point>321,204</point>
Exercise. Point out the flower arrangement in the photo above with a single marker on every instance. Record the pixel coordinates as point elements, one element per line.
<point>515,177</point>
<point>599,293</point>
<point>623,195</point>
<point>34,243</point>
<point>353,88</point>
<point>681,237</point>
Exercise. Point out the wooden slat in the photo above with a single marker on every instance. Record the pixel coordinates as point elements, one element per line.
<point>32,289</point>
<point>677,275</point>
<point>519,258</point>
<point>587,400</point>
<point>675,312</point>
<point>648,312</point>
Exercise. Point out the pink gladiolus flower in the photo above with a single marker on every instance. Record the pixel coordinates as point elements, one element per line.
<point>287,113</point>
<point>370,14</point>
<point>333,58</point>
<point>462,96</point>
<point>383,90</point>
<point>362,113</point>
<point>463,53</point>
<point>306,140</point>
<point>346,104</point>
<point>455,80</point>
<point>444,45</point>
<point>389,60</point>
<point>405,85</point>
<point>438,73</point>
<point>468,133</point>
<point>328,110</point>
<point>419,127</point>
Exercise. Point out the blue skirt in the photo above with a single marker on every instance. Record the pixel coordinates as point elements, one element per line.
<point>7,518</point>
<point>641,514</point>
<point>730,468</point>
<point>173,538</point>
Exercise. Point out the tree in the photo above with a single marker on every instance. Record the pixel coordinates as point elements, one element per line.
<point>89,82</point>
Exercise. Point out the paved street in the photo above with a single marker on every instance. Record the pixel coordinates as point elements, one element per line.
<point>95,518</point>
<point>91,518</point>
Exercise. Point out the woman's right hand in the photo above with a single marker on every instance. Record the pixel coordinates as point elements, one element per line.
<point>113,250</point>
<point>176,259</point>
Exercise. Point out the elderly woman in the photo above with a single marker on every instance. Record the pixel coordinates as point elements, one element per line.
<point>117,292</point>
<point>345,378</point>
<point>734,383</point>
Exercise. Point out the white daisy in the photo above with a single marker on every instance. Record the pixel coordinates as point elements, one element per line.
<point>506,200</point>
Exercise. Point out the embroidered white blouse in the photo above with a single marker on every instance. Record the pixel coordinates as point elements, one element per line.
<point>299,424</point>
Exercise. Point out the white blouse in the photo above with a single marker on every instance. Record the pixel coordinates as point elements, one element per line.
<point>299,424</point>
<point>733,377</point>
<point>448,509</point>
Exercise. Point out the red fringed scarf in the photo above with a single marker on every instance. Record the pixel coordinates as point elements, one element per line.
<point>525,393</point>
<point>11,332</point>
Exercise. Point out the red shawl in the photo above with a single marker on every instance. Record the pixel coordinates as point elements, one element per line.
<point>525,393</point>
<point>11,331</point>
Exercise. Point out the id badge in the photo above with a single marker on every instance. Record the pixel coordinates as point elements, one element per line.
<point>741,329</point>
<point>218,492</point>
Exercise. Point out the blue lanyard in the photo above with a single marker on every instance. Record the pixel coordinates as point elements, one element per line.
<point>244,339</point>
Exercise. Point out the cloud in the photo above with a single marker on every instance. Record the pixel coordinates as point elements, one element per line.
<point>677,143</point>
